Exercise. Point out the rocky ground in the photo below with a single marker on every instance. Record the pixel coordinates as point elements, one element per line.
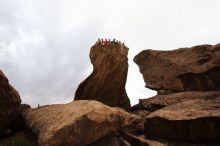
<point>186,111</point>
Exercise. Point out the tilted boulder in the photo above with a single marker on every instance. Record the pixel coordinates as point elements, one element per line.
<point>197,120</point>
<point>9,103</point>
<point>107,81</point>
<point>160,101</point>
<point>185,69</point>
<point>77,123</point>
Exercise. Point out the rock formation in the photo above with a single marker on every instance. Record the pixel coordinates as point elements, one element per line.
<point>107,81</point>
<point>185,69</point>
<point>186,110</point>
<point>160,101</point>
<point>197,119</point>
<point>78,123</point>
<point>9,103</point>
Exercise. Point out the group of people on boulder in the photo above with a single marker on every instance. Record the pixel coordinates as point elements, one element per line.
<point>108,42</point>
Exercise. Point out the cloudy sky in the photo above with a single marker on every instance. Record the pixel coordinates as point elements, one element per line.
<point>44,44</point>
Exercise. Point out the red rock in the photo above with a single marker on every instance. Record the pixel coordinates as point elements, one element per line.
<point>107,81</point>
<point>185,69</point>
<point>9,103</point>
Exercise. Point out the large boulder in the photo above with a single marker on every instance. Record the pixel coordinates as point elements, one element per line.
<point>185,69</point>
<point>77,123</point>
<point>107,81</point>
<point>160,101</point>
<point>9,103</point>
<point>197,120</point>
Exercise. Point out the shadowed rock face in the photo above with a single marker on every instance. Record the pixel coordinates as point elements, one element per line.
<point>21,138</point>
<point>107,81</point>
<point>9,103</point>
<point>197,119</point>
<point>185,69</point>
<point>77,123</point>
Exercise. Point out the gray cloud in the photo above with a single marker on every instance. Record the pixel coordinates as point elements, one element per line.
<point>44,45</point>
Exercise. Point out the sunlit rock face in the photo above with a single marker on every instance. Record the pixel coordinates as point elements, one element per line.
<point>160,101</point>
<point>186,108</point>
<point>77,123</point>
<point>185,69</point>
<point>107,81</point>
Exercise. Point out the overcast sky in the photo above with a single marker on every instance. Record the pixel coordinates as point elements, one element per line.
<point>44,44</point>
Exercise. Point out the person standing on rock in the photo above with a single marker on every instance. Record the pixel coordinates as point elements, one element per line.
<point>98,42</point>
<point>120,43</point>
<point>113,42</point>
<point>106,42</point>
<point>109,41</point>
<point>102,41</point>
